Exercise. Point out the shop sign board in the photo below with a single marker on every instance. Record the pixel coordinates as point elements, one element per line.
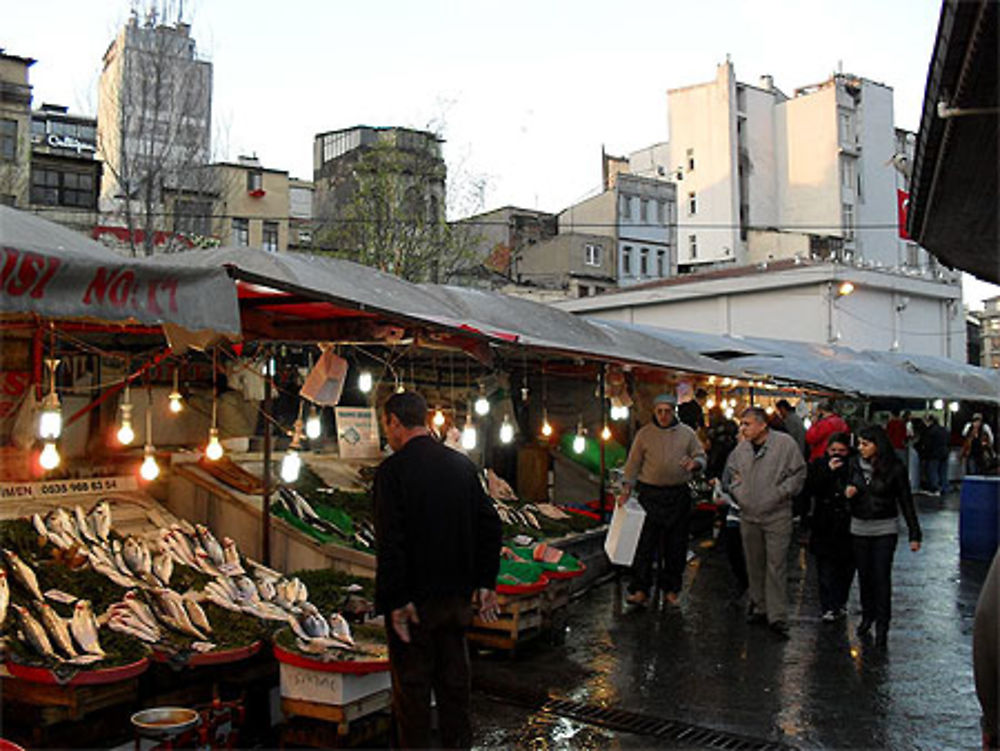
<point>10,491</point>
<point>357,432</point>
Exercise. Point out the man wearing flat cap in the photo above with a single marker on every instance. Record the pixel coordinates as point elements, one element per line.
<point>664,456</point>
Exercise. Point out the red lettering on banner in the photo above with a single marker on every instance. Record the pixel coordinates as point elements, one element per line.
<point>15,382</point>
<point>27,274</point>
<point>8,265</point>
<point>98,286</point>
<point>171,286</point>
<point>151,303</point>
<point>121,288</point>
<point>52,267</point>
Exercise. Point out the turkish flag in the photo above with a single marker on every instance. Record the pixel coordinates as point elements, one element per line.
<point>902,209</point>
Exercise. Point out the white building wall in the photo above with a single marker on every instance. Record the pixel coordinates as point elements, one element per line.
<point>876,204</point>
<point>762,175</point>
<point>702,120</point>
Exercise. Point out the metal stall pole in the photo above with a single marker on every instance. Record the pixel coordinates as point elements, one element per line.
<point>604,421</point>
<point>265,517</point>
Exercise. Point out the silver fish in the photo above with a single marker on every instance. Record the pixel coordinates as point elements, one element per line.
<point>163,567</point>
<point>34,632</point>
<point>84,628</point>
<point>85,659</point>
<point>142,611</point>
<point>133,627</point>
<point>22,573</point>
<point>4,596</point>
<point>84,526</point>
<point>100,520</point>
<point>210,544</point>
<point>132,553</point>
<point>261,571</point>
<point>196,615</point>
<point>57,595</point>
<point>39,525</point>
<point>265,588</point>
<point>57,629</point>
<point>339,628</point>
<point>174,614</point>
<point>202,646</point>
<point>246,588</point>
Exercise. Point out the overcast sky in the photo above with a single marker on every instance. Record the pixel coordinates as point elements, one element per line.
<point>526,92</point>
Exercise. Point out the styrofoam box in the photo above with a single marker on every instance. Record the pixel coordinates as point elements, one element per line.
<point>330,688</point>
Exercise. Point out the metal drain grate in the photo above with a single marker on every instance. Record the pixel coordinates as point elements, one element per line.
<point>670,730</point>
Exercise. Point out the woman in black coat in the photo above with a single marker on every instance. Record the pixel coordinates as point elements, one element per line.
<point>878,492</point>
<point>829,523</point>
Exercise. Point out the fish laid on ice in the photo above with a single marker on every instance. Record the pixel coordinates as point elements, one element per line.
<point>83,627</point>
<point>57,595</point>
<point>22,573</point>
<point>34,632</point>
<point>57,629</point>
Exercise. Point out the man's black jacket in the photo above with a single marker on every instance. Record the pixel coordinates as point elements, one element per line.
<point>438,533</point>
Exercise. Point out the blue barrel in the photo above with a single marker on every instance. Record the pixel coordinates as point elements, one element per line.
<point>979,517</point>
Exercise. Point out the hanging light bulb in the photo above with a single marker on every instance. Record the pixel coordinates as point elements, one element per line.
<point>50,422</point>
<point>313,425</point>
<point>149,470</point>
<point>49,458</point>
<point>710,403</point>
<point>546,425</point>
<point>213,451</point>
<point>365,381</point>
<point>729,413</point>
<point>469,437</point>
<point>125,433</point>
<point>579,442</point>
<point>438,419</point>
<point>506,430</point>
<point>606,433</point>
<point>176,401</point>
<point>953,406</point>
<point>291,465</point>
<point>939,404</point>
<point>482,403</point>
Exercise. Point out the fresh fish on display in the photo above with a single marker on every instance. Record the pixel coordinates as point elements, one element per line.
<point>532,520</point>
<point>132,554</point>
<point>163,568</point>
<point>4,596</point>
<point>339,628</point>
<point>57,595</point>
<point>100,520</point>
<point>353,588</point>
<point>125,622</point>
<point>202,646</point>
<point>309,625</point>
<point>134,603</point>
<point>113,574</point>
<point>217,594</point>
<point>260,570</point>
<point>22,573</point>
<point>186,527</point>
<point>84,526</point>
<point>266,589</point>
<point>57,629</point>
<point>39,525</point>
<point>246,589</point>
<point>34,632</point>
<point>266,611</point>
<point>85,659</point>
<point>173,613</point>
<point>84,628</point>
<point>206,564</point>
<point>231,555</point>
<point>210,544</point>
<point>196,615</point>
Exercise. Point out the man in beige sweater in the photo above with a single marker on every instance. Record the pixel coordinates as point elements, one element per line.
<point>664,455</point>
<point>767,470</point>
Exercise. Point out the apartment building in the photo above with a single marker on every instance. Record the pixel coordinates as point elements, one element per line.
<point>253,204</point>
<point>15,118</point>
<point>989,321</point>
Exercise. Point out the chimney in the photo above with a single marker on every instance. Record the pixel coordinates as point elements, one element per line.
<point>767,82</point>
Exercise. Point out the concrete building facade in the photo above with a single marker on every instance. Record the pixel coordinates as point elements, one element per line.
<point>989,322</point>
<point>762,175</point>
<point>15,119</point>
<point>800,301</point>
<point>300,214</point>
<point>252,209</point>
<point>573,263</point>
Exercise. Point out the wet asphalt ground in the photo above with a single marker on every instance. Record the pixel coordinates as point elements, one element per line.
<point>701,667</point>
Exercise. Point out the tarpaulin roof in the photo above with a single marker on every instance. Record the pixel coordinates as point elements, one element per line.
<point>866,373</point>
<point>55,272</point>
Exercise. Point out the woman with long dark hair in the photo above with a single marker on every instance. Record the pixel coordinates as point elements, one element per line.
<point>878,492</point>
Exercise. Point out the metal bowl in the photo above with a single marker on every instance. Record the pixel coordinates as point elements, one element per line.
<point>164,722</point>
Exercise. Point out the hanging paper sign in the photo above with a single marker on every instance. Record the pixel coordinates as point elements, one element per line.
<point>357,432</point>
<point>58,488</point>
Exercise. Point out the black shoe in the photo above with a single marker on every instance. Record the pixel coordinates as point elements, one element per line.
<point>780,628</point>
<point>881,637</point>
<point>755,617</point>
<point>864,627</point>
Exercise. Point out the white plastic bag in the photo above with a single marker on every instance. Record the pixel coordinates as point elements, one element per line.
<point>623,534</point>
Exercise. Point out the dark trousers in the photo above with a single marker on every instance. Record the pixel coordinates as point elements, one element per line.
<point>733,542</point>
<point>835,572</point>
<point>665,531</point>
<point>937,475</point>
<point>873,556</point>
<point>437,657</point>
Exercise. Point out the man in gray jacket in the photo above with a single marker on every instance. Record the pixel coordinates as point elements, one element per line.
<point>768,471</point>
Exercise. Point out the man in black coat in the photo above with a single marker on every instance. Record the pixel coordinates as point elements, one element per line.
<point>438,539</point>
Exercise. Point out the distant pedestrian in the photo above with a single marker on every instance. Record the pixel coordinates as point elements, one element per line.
<point>793,423</point>
<point>827,423</point>
<point>664,456</point>
<point>934,453</point>
<point>977,446</point>
<point>438,549</point>
<point>879,492</point>
<point>829,525</point>
<point>896,429</point>
<point>767,472</point>
<point>691,413</point>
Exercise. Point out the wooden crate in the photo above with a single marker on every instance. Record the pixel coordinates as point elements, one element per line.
<point>520,620</point>
<point>335,721</point>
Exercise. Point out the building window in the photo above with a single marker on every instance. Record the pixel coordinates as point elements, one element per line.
<point>8,140</point>
<point>255,181</point>
<point>912,255</point>
<point>644,262</point>
<point>626,208</point>
<point>592,254</point>
<point>627,260</point>
<point>193,218</point>
<point>51,187</point>
<point>692,203</point>
<point>661,263</point>
<point>693,246</point>
<point>582,291</point>
<point>241,232</point>
<point>690,159</point>
<point>660,211</point>
<point>847,172</point>
<point>848,221</point>
<point>846,125</point>
<point>269,239</point>
<point>643,210</point>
